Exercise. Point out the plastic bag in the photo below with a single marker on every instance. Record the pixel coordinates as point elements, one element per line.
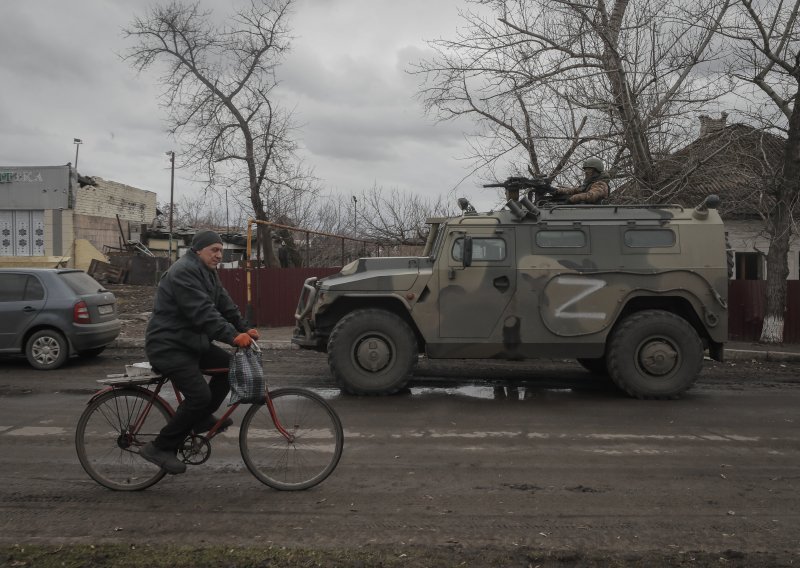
<point>246,377</point>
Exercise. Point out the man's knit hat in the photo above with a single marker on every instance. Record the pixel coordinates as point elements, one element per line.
<point>203,239</point>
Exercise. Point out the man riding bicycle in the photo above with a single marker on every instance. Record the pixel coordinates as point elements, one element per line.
<point>191,309</point>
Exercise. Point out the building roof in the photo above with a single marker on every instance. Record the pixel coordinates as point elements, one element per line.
<point>735,162</point>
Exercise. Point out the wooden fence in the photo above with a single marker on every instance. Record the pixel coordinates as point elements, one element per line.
<point>276,291</point>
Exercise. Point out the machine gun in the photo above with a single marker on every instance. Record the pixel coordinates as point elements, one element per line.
<point>538,189</point>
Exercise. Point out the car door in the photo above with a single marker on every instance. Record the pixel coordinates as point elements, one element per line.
<point>472,298</point>
<point>21,301</point>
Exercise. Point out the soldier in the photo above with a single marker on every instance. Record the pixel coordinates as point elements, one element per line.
<point>594,187</point>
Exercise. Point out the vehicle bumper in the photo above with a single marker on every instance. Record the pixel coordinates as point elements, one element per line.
<point>90,336</point>
<point>310,341</point>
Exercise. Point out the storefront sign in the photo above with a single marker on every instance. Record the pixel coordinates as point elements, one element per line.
<point>21,177</point>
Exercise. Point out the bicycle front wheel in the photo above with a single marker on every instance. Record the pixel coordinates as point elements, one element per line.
<point>108,447</point>
<point>308,456</point>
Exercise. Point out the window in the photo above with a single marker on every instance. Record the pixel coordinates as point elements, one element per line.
<point>649,238</point>
<point>749,266</point>
<point>486,249</point>
<point>12,287</point>
<point>81,283</point>
<point>561,239</point>
<point>34,289</point>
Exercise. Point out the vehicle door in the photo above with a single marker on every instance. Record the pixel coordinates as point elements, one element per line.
<point>21,301</point>
<point>473,295</point>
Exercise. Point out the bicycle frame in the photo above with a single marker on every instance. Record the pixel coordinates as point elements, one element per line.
<point>154,395</point>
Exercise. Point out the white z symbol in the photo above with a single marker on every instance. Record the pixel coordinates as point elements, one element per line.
<point>590,286</point>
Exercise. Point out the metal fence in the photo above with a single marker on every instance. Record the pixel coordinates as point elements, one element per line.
<point>746,307</point>
<point>276,291</point>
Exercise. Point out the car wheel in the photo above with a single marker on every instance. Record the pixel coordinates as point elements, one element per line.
<point>46,349</point>
<point>89,353</point>
<point>655,354</point>
<point>372,351</point>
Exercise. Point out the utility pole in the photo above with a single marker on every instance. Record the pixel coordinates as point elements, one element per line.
<point>171,155</point>
<point>355,216</point>
<point>77,142</point>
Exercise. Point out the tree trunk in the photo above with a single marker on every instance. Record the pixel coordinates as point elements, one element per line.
<point>780,229</point>
<point>626,106</point>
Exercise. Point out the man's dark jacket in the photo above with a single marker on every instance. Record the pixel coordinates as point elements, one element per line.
<point>191,309</point>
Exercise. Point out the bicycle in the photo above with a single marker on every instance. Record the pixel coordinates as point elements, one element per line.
<point>291,441</point>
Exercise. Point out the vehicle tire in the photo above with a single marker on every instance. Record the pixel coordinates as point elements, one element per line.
<point>655,354</point>
<point>89,353</point>
<point>47,349</point>
<point>106,448</point>
<point>598,366</point>
<point>308,457</point>
<point>372,351</point>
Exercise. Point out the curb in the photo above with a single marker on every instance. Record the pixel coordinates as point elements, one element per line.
<point>131,343</point>
<point>755,355</point>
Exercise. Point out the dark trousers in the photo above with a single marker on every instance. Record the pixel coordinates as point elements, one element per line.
<point>201,398</point>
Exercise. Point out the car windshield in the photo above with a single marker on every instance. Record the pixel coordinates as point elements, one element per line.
<point>81,283</point>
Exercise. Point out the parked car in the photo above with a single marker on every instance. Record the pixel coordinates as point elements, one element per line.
<point>50,314</point>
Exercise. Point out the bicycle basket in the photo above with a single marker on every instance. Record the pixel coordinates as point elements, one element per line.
<point>246,376</point>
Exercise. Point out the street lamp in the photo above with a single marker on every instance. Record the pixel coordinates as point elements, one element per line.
<point>77,142</point>
<point>171,155</point>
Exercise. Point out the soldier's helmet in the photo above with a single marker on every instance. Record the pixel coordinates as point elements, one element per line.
<point>595,163</point>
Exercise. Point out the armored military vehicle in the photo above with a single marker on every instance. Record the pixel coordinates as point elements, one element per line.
<point>635,292</point>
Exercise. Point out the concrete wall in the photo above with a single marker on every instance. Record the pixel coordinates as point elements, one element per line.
<point>96,210</point>
<point>109,199</point>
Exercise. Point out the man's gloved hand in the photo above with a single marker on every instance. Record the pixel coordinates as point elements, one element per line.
<point>253,333</point>
<point>242,340</point>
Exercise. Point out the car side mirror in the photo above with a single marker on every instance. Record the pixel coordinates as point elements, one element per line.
<point>467,257</point>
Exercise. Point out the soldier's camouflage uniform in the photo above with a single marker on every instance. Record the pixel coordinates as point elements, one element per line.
<point>592,191</point>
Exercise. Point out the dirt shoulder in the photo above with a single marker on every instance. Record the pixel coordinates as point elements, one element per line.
<point>122,556</point>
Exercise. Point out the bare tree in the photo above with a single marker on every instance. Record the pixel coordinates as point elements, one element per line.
<point>393,217</point>
<point>218,82</point>
<point>551,80</point>
<point>766,42</point>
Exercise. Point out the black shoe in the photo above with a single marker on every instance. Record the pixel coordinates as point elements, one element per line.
<point>208,423</point>
<point>165,459</point>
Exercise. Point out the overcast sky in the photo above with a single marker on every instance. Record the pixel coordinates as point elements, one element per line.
<point>62,78</point>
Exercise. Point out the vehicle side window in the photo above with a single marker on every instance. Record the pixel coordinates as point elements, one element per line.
<point>560,239</point>
<point>34,289</point>
<point>12,287</point>
<point>483,249</point>
<point>649,238</point>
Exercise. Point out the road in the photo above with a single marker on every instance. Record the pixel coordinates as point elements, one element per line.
<point>572,465</point>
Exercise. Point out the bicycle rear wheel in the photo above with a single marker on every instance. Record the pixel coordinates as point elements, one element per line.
<point>108,450</point>
<point>305,460</point>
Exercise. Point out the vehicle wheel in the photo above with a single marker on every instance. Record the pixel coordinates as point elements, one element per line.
<point>107,446</point>
<point>596,366</point>
<point>372,351</point>
<point>47,349</point>
<point>89,353</point>
<point>655,354</point>
<point>308,456</point>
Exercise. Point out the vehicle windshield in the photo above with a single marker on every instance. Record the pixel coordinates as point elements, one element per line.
<point>437,242</point>
<point>81,283</point>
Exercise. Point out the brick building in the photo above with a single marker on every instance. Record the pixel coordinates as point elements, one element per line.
<point>47,218</point>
